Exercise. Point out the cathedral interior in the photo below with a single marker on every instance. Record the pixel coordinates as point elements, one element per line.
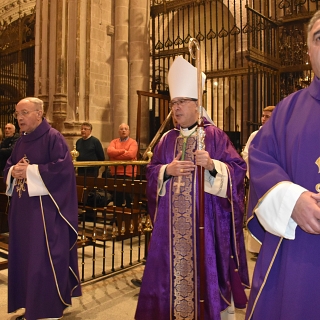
<point>106,62</point>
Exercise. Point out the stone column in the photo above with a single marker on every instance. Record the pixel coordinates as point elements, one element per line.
<point>57,62</point>
<point>120,83</point>
<point>60,93</point>
<point>41,53</point>
<point>51,62</point>
<point>139,65</point>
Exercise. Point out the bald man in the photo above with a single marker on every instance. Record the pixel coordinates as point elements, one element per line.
<point>6,146</point>
<point>43,271</point>
<point>123,148</point>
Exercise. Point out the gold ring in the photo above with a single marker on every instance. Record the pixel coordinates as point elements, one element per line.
<point>181,170</point>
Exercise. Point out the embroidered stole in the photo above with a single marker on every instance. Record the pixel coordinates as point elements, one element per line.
<point>183,238</point>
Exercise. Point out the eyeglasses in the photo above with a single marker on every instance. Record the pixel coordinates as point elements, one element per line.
<point>22,113</point>
<point>86,129</point>
<point>180,102</point>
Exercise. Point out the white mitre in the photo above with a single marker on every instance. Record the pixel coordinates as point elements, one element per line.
<point>183,81</point>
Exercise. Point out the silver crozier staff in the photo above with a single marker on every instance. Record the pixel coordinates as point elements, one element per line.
<point>200,146</point>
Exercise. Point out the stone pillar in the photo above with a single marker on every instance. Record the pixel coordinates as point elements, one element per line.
<point>60,93</point>
<point>41,53</point>
<point>51,61</point>
<point>121,79</point>
<point>139,65</point>
<point>57,66</point>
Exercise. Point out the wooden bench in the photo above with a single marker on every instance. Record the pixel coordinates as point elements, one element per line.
<point>123,217</point>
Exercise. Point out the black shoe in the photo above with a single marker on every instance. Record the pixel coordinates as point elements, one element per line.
<point>20,317</point>
<point>137,282</point>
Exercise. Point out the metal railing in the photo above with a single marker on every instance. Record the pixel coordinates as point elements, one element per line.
<point>112,237</point>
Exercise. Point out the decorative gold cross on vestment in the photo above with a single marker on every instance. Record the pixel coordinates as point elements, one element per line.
<point>178,185</point>
<point>20,183</point>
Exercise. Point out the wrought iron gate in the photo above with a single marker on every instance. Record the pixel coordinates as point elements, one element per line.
<point>17,64</point>
<point>245,53</point>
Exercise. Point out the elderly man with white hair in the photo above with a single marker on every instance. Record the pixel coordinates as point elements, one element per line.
<point>43,271</point>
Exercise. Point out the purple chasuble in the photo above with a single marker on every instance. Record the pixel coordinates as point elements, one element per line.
<point>286,278</point>
<point>43,266</point>
<point>170,285</point>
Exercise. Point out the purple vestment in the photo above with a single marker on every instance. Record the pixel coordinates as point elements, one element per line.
<point>286,279</point>
<point>43,267</point>
<point>170,285</point>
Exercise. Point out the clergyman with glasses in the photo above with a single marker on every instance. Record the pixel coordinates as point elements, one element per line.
<point>170,284</point>
<point>90,149</point>
<point>43,271</point>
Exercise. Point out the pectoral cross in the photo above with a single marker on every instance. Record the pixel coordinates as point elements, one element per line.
<point>20,183</point>
<point>178,185</point>
<point>318,164</point>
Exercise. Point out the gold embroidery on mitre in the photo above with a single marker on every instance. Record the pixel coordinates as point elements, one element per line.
<point>20,183</point>
<point>318,164</point>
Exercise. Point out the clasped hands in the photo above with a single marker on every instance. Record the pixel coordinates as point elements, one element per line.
<point>306,212</point>
<point>183,167</point>
<point>19,170</point>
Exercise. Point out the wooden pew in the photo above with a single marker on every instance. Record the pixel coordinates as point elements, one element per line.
<point>121,215</point>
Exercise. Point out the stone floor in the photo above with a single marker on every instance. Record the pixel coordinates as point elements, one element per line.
<point>111,298</point>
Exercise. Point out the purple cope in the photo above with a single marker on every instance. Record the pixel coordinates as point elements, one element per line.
<point>170,284</point>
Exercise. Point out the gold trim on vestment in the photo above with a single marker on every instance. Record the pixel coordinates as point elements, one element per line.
<point>48,247</point>
<point>234,243</point>
<point>183,240</point>
<point>275,253</point>
<point>261,199</point>
<point>170,245</point>
<point>49,253</point>
<point>232,217</point>
<point>75,232</point>
<point>251,234</point>
<point>20,188</point>
<point>265,278</point>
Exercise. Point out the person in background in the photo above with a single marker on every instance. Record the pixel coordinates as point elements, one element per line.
<point>284,203</point>
<point>43,271</point>
<point>266,114</point>
<point>297,87</point>
<point>253,245</point>
<point>170,290</point>
<point>7,144</point>
<point>123,148</point>
<point>90,149</point>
